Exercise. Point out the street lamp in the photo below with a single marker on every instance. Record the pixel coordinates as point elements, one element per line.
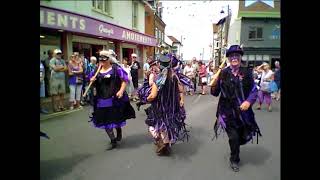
<point>226,33</point>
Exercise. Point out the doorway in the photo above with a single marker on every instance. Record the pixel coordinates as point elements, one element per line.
<point>126,52</point>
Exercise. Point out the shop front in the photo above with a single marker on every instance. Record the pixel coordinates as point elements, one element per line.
<point>90,35</point>
<point>256,56</point>
<point>73,32</point>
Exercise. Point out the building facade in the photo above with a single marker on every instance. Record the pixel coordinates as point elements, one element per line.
<point>176,45</point>
<point>150,15</point>
<point>259,31</point>
<point>90,26</point>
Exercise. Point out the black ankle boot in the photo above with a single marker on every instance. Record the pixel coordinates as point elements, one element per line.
<point>113,145</point>
<point>119,134</point>
<point>138,105</point>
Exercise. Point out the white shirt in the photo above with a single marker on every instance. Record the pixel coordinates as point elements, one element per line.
<point>146,67</point>
<point>188,71</point>
<point>128,71</point>
<point>264,76</point>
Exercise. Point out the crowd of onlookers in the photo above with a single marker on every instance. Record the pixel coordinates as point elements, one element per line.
<point>267,80</point>
<point>53,71</point>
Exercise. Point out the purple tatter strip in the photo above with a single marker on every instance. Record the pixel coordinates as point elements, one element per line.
<point>221,121</point>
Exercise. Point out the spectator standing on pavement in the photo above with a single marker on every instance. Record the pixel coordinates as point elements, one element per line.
<point>265,92</point>
<point>92,67</point>
<point>277,78</point>
<point>146,66</point>
<point>234,111</point>
<point>75,70</point>
<point>195,67</point>
<point>202,77</point>
<point>210,71</point>
<point>127,68</point>
<point>85,66</point>
<point>135,66</point>
<point>111,105</point>
<point>42,87</point>
<point>58,81</point>
<point>47,70</point>
<point>189,72</point>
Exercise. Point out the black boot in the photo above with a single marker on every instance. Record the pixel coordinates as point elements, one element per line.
<point>138,105</point>
<point>113,144</point>
<point>119,134</point>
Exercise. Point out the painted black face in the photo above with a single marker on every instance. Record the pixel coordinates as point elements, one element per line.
<point>103,58</point>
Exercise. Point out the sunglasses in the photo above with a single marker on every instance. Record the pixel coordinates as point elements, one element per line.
<point>103,58</point>
<point>234,56</point>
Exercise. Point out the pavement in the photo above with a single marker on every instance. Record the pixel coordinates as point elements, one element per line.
<point>77,151</point>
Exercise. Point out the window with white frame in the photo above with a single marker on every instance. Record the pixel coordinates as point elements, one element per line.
<point>162,37</point>
<point>103,6</point>
<point>135,14</point>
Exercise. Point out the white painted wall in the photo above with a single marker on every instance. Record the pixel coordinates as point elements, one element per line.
<point>121,11</point>
<point>234,33</point>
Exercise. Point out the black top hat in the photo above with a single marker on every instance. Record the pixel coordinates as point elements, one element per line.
<point>164,59</point>
<point>234,49</point>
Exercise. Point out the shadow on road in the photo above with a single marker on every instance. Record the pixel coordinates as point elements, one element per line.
<point>185,150</point>
<point>52,169</point>
<point>135,141</point>
<point>255,155</point>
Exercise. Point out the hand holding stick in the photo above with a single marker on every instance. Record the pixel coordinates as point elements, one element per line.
<point>95,75</point>
<point>216,75</point>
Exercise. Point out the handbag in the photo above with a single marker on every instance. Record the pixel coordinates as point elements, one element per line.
<point>273,86</point>
<point>204,79</point>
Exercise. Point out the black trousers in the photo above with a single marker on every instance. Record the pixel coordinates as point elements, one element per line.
<point>195,83</point>
<point>235,138</point>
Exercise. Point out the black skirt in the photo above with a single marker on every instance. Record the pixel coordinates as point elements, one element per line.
<point>115,114</point>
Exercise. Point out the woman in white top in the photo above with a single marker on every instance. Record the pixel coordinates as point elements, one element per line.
<point>264,92</point>
<point>189,72</point>
<point>127,68</point>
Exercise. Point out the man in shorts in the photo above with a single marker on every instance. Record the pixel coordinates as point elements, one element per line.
<point>57,81</point>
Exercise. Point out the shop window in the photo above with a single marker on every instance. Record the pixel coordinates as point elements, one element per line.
<point>135,15</point>
<point>259,57</point>
<point>245,57</point>
<point>103,6</point>
<point>252,57</point>
<point>255,33</point>
<point>266,57</point>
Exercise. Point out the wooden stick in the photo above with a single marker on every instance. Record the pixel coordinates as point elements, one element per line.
<point>95,75</point>
<point>216,75</point>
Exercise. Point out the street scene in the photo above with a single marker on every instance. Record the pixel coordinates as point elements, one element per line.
<point>160,89</point>
<point>76,150</point>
